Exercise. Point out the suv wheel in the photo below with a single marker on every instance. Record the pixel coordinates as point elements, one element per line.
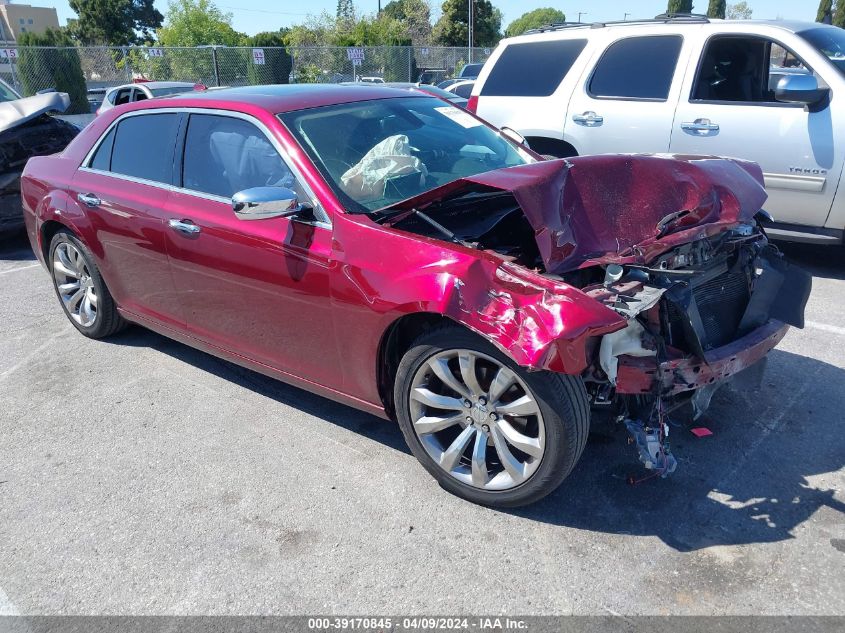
<point>485,428</point>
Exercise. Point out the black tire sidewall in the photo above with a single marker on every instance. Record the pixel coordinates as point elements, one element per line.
<point>562,401</point>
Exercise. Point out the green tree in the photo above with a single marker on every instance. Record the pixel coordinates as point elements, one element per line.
<point>277,61</point>
<point>452,30</point>
<point>346,11</point>
<point>415,16</point>
<point>533,20</point>
<point>114,22</point>
<point>57,67</point>
<point>198,23</point>
<point>739,11</point>
<point>679,6</point>
<point>825,12</point>
<point>839,14</point>
<point>716,9</point>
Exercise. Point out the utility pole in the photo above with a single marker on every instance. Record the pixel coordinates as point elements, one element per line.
<point>580,13</point>
<point>469,30</point>
<point>625,18</point>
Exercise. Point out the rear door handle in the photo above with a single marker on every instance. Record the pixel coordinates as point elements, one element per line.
<point>88,199</point>
<point>184,226</point>
<point>588,118</point>
<point>700,125</point>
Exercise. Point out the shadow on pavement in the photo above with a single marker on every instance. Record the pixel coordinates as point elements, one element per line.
<point>748,483</point>
<point>15,247</point>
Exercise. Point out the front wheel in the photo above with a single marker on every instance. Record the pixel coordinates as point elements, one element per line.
<point>485,428</point>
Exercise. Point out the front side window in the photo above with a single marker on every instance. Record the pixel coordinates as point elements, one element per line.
<point>532,69</point>
<point>225,155</point>
<point>6,93</point>
<point>376,153</point>
<point>637,68</point>
<point>744,69</point>
<point>144,145</point>
<point>830,42</point>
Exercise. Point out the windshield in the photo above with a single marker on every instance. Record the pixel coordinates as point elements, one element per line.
<point>831,42</point>
<point>376,153</point>
<point>6,93</point>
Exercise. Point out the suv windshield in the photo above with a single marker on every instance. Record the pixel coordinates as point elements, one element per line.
<point>376,153</point>
<point>831,42</point>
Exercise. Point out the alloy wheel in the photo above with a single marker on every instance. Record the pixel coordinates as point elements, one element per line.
<point>477,419</point>
<point>74,284</point>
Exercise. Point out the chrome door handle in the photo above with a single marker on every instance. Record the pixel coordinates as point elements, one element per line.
<point>700,125</point>
<point>588,118</point>
<point>184,226</point>
<point>88,199</point>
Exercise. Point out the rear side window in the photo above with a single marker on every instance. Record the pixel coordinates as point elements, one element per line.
<point>143,146</point>
<point>532,69</point>
<point>637,68</point>
<point>102,157</point>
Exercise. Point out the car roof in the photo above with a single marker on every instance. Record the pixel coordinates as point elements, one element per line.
<point>155,84</point>
<point>280,98</point>
<point>657,23</point>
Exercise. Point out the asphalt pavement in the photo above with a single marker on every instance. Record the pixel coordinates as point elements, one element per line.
<point>139,476</point>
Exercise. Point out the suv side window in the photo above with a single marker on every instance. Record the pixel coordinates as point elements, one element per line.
<point>637,68</point>
<point>532,69</point>
<point>743,69</point>
<point>224,155</point>
<point>144,146</point>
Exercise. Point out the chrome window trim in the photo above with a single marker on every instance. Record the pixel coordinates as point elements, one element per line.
<point>323,220</point>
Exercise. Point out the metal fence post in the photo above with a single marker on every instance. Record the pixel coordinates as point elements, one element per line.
<point>216,69</point>
<point>126,64</point>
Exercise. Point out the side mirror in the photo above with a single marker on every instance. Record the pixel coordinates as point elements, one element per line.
<point>515,136</point>
<point>260,203</point>
<point>802,89</point>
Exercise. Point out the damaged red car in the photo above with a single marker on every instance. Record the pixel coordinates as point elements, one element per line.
<point>396,253</point>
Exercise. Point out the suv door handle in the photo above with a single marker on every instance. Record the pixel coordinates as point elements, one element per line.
<point>588,118</point>
<point>700,125</point>
<point>184,226</point>
<point>88,199</point>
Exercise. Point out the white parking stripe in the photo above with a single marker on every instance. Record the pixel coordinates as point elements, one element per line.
<point>14,270</point>
<point>6,606</point>
<point>833,329</point>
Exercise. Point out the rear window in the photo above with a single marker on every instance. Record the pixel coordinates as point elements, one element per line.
<point>637,68</point>
<point>143,146</point>
<point>532,69</point>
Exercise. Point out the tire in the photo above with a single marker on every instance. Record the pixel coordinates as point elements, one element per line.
<point>74,271</point>
<point>553,438</point>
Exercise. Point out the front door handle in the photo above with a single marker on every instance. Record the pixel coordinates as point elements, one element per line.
<point>89,200</point>
<point>184,226</point>
<point>700,125</point>
<point>588,118</point>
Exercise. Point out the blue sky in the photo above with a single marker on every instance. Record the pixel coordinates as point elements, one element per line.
<point>252,16</point>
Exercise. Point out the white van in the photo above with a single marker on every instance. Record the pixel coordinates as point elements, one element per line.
<point>760,90</point>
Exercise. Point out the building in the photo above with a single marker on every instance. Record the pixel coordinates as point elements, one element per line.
<point>23,18</point>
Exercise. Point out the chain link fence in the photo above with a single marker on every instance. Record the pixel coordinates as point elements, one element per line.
<point>85,72</point>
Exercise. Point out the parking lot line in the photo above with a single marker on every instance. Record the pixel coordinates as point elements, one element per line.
<point>833,329</point>
<point>14,270</point>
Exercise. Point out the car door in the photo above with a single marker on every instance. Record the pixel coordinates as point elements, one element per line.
<point>256,288</point>
<point>729,109</point>
<point>626,101</point>
<point>123,188</point>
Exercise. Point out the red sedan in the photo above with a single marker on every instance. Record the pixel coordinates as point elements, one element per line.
<point>396,253</point>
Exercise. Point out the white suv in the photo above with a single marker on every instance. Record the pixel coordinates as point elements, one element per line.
<point>759,90</point>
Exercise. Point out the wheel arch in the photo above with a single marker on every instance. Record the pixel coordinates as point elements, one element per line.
<point>396,341</point>
<point>551,146</point>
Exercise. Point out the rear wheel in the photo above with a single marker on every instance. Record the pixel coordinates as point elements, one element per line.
<point>80,287</point>
<point>485,428</point>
